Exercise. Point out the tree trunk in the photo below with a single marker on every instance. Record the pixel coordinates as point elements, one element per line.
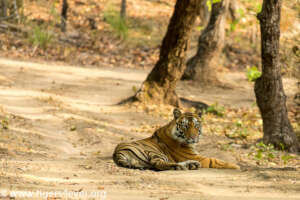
<point>3,7</point>
<point>123,9</point>
<point>159,86</point>
<point>64,15</point>
<point>210,42</point>
<point>9,9</point>
<point>15,9</point>
<point>269,92</point>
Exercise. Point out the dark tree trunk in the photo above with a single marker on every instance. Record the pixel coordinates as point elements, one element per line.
<point>3,4</point>
<point>210,42</point>
<point>123,9</point>
<point>64,15</point>
<point>159,86</point>
<point>269,92</point>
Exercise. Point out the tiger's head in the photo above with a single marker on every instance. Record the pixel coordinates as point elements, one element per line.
<point>187,127</point>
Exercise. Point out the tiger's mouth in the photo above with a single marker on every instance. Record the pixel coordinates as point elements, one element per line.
<point>192,140</point>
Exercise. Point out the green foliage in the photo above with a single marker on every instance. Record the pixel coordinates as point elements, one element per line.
<point>199,28</point>
<point>258,155</point>
<point>4,123</point>
<point>281,146</point>
<point>238,131</point>
<point>242,133</point>
<point>210,2</point>
<point>253,73</point>
<point>233,25</point>
<point>286,157</point>
<point>264,152</point>
<point>216,109</point>
<point>264,147</point>
<point>40,38</point>
<point>255,6</point>
<point>254,104</point>
<point>144,32</point>
<point>270,156</point>
<point>258,7</point>
<point>239,123</point>
<point>267,153</point>
<point>134,89</point>
<point>55,14</point>
<point>117,23</point>
<point>241,12</point>
<point>73,128</point>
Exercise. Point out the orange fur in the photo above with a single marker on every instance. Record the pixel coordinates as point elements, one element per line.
<point>164,151</point>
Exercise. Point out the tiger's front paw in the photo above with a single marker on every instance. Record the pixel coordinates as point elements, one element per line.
<point>179,167</point>
<point>190,164</point>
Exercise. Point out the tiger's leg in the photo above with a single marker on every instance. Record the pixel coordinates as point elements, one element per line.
<point>162,163</point>
<point>215,163</point>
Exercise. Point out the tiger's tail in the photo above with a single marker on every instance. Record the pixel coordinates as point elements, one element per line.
<point>216,163</point>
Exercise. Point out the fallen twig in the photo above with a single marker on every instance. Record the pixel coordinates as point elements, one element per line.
<point>12,27</point>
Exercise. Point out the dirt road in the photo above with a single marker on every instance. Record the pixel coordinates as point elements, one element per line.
<point>60,125</point>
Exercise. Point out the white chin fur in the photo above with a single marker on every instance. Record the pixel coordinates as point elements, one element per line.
<point>175,137</point>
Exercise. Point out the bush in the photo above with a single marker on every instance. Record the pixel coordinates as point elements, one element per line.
<point>117,23</point>
<point>40,38</point>
<point>216,110</point>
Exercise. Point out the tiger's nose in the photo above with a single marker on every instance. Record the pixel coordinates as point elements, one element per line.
<point>194,139</point>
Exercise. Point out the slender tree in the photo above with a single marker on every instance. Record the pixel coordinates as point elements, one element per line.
<point>123,9</point>
<point>210,43</point>
<point>9,9</point>
<point>64,15</point>
<point>3,6</point>
<point>269,92</point>
<point>159,86</point>
<point>15,9</point>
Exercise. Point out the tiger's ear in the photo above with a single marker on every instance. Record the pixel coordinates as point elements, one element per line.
<point>176,113</point>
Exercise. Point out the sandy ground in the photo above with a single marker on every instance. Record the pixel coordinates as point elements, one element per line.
<point>63,125</point>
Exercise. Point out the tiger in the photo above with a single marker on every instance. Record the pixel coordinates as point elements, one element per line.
<point>171,147</point>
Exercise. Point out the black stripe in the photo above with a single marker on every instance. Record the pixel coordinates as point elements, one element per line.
<point>210,163</point>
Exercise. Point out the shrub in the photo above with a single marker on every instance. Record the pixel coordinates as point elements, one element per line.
<point>40,38</point>
<point>216,109</point>
<point>117,23</point>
